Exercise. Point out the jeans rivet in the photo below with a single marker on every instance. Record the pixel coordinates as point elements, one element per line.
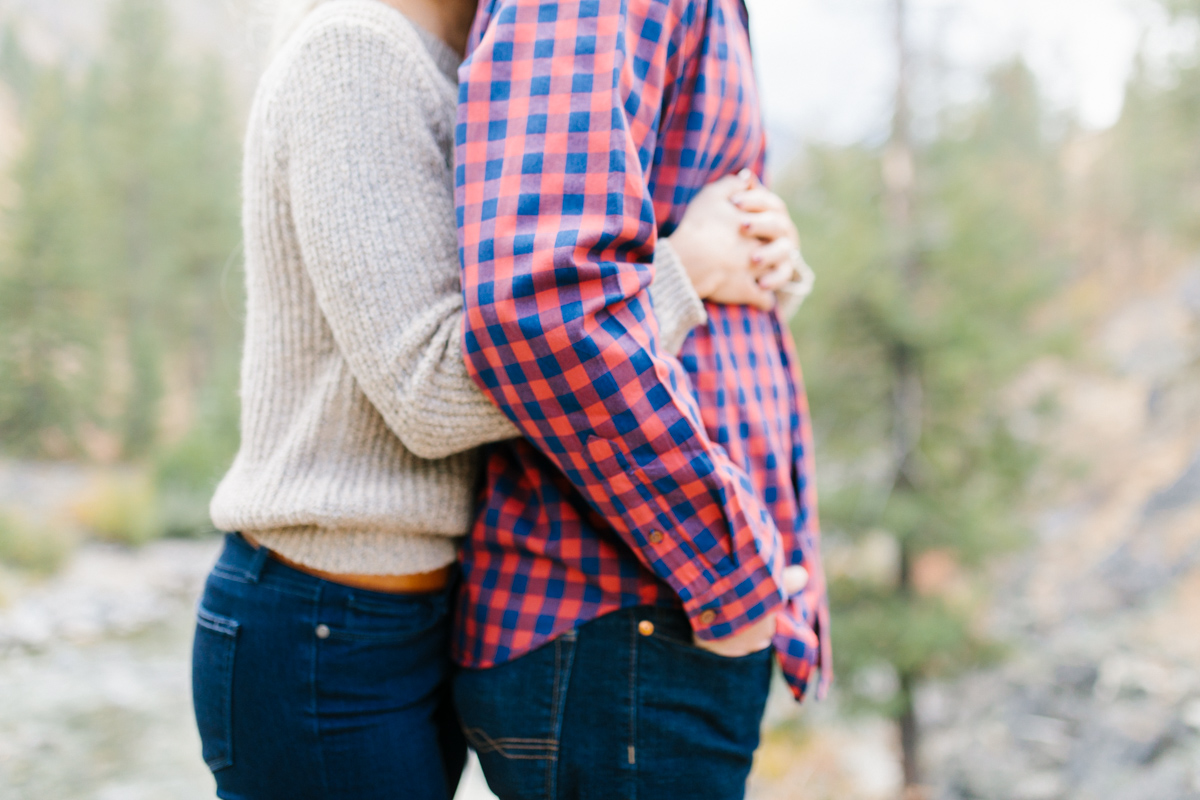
<point>645,627</point>
<point>322,631</point>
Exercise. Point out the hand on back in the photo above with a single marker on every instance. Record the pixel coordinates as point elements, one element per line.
<point>737,242</point>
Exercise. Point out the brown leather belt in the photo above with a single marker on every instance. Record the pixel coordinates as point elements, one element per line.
<point>417,583</point>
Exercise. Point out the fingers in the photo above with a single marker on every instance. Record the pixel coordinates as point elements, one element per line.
<point>744,291</point>
<point>777,276</point>
<point>794,580</point>
<point>757,199</point>
<point>768,226</point>
<point>748,178</point>
<point>772,254</point>
<point>758,636</point>
<point>753,639</point>
<point>725,187</point>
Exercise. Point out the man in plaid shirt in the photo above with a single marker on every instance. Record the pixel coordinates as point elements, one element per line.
<point>626,572</point>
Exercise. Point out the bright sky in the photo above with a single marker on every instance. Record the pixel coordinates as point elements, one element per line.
<point>826,67</point>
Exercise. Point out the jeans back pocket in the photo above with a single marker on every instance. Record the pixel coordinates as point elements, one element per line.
<point>212,686</point>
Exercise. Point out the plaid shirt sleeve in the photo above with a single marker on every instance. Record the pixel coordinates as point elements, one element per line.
<point>555,134</point>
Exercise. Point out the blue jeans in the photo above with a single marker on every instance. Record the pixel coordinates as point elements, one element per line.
<point>308,689</point>
<point>617,710</point>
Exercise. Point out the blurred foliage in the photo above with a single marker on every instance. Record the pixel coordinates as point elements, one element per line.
<point>39,549</point>
<point>1183,8</point>
<point>1009,200</point>
<point>122,509</point>
<point>117,343</point>
<point>959,319</point>
<point>1150,181</point>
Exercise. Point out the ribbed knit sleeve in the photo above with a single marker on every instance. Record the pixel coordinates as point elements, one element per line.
<point>676,304</point>
<point>374,218</point>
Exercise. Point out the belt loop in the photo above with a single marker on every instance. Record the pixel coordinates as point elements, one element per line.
<point>255,567</point>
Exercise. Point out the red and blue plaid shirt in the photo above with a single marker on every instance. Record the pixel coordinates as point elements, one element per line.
<point>584,129</point>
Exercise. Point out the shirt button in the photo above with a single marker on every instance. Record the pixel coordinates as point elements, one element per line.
<point>707,617</point>
<point>656,537</point>
<point>645,627</point>
<point>322,631</point>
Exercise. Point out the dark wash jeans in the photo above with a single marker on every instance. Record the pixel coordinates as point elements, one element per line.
<point>308,689</point>
<point>607,712</point>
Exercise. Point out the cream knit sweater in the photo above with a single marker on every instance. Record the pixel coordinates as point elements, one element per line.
<point>359,421</point>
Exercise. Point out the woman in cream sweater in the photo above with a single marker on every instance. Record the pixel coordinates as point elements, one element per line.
<point>319,659</point>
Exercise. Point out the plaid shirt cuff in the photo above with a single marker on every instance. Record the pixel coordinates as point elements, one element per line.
<point>737,600</point>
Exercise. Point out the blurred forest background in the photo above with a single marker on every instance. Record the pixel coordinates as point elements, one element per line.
<point>1004,366</point>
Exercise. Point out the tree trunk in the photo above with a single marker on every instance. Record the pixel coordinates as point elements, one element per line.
<point>899,179</point>
<point>910,738</point>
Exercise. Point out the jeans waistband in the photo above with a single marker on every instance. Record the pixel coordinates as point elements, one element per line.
<point>669,621</point>
<point>245,562</point>
<point>253,564</point>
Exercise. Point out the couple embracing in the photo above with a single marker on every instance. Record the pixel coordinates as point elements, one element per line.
<point>526,461</point>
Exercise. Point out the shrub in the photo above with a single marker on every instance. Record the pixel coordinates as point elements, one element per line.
<point>122,509</point>
<point>37,548</point>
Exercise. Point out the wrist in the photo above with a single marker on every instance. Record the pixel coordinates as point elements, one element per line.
<point>704,284</point>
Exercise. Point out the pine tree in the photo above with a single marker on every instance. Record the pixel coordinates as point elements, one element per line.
<point>131,100</point>
<point>935,256</point>
<point>49,331</point>
<point>115,259</point>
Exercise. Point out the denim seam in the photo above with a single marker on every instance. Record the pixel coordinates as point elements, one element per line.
<point>272,582</point>
<point>227,628</point>
<point>562,682</point>
<point>315,649</point>
<point>634,633</point>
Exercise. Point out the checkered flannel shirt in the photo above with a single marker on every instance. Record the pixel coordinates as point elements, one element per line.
<point>584,129</point>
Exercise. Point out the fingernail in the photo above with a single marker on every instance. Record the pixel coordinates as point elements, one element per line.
<point>745,226</point>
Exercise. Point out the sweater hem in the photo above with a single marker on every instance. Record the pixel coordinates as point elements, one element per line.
<point>351,552</point>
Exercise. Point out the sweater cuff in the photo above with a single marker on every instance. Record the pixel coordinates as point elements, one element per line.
<point>792,294</point>
<point>676,304</point>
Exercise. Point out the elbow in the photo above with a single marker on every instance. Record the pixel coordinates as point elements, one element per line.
<point>425,435</point>
<point>429,442</point>
<point>429,450</point>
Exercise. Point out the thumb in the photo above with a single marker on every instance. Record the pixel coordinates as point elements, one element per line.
<point>794,580</point>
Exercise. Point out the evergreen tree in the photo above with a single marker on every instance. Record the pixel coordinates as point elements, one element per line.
<point>115,258</point>
<point>49,310</point>
<point>131,103</point>
<point>935,255</point>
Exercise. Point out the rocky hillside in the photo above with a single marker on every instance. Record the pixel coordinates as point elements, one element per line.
<point>1100,696</point>
<point>1101,700</point>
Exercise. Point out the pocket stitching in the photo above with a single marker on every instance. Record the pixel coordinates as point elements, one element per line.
<point>217,624</point>
<point>483,743</point>
<point>226,629</point>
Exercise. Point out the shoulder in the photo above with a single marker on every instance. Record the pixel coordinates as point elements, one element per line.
<point>343,42</point>
<point>363,19</point>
